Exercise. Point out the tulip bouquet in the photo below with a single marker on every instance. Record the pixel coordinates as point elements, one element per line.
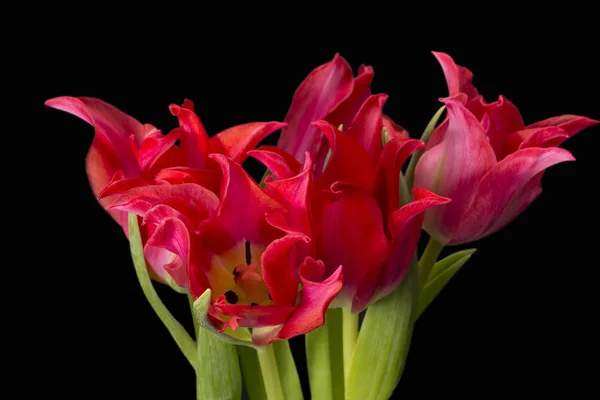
<point>329,234</point>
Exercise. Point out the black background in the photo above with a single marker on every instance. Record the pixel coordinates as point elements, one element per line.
<point>519,318</point>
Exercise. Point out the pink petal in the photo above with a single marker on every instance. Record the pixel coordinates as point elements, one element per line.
<point>194,141</point>
<point>172,235</point>
<point>281,163</point>
<point>320,93</point>
<point>387,190</point>
<point>256,316</point>
<point>111,150</point>
<point>203,177</point>
<point>349,162</point>
<point>535,137</point>
<point>294,194</point>
<point>315,298</point>
<point>500,195</point>
<point>500,119</point>
<point>154,146</point>
<point>241,211</point>
<point>279,263</point>
<point>367,126</point>
<point>459,79</point>
<point>453,168</point>
<point>119,185</point>
<point>235,142</point>
<point>393,129</point>
<point>406,230</point>
<point>571,124</point>
<point>345,112</point>
<point>194,201</point>
<point>349,231</point>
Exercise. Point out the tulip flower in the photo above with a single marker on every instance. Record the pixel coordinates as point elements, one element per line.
<point>240,247</point>
<point>330,93</point>
<point>486,160</point>
<point>355,214</point>
<point>126,154</point>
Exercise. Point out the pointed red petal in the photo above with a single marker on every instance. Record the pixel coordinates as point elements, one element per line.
<point>281,163</point>
<point>194,141</point>
<point>154,146</point>
<point>345,112</point>
<point>459,79</point>
<point>571,124</point>
<point>235,142</point>
<point>394,130</point>
<point>367,126</point>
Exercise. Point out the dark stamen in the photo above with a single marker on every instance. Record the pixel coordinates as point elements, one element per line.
<point>253,304</point>
<point>270,298</point>
<point>248,254</point>
<point>231,297</point>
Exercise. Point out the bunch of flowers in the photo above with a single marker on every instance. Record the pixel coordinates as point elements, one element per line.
<point>330,232</point>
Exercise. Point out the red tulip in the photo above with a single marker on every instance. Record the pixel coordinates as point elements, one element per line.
<point>328,93</point>
<point>245,246</point>
<point>486,160</point>
<point>354,211</point>
<point>126,154</point>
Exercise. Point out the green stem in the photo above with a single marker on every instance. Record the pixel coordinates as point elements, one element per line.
<point>410,172</point>
<point>384,341</point>
<point>290,381</point>
<point>270,373</point>
<point>196,323</point>
<point>428,259</point>
<point>318,363</point>
<point>253,380</point>
<point>334,322</point>
<point>350,335</point>
<point>184,341</point>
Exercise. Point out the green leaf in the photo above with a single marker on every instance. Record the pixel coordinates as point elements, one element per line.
<point>440,275</point>
<point>241,336</point>
<point>383,343</point>
<point>184,341</point>
<point>218,375</point>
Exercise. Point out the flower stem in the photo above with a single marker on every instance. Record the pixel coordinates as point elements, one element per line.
<point>427,261</point>
<point>253,380</point>
<point>184,341</point>
<point>318,362</point>
<point>410,172</point>
<point>288,374</point>
<point>350,335</point>
<point>270,373</point>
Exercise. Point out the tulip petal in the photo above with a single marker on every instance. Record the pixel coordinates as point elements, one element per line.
<point>349,162</point>
<point>279,263</point>
<point>281,163</point>
<point>194,201</point>
<point>236,141</point>
<point>315,298</point>
<point>459,79</point>
<point>155,145</point>
<point>172,235</point>
<point>387,190</point>
<point>535,137</point>
<point>406,227</point>
<point>571,124</point>
<point>393,129</point>
<point>321,92</point>
<point>453,168</point>
<point>345,112</point>
<point>500,196</point>
<point>194,141</point>
<point>241,211</point>
<point>178,175</point>
<point>500,119</point>
<point>294,193</point>
<point>256,316</point>
<point>111,149</point>
<point>119,185</point>
<point>348,231</point>
<point>367,126</point>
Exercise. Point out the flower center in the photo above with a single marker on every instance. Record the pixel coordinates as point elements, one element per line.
<point>237,275</point>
